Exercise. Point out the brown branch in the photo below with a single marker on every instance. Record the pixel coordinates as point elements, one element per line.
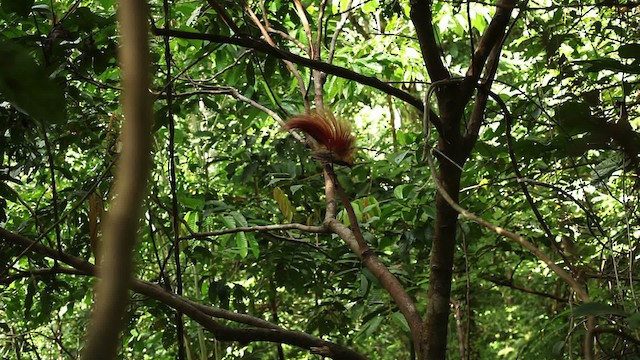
<point>224,16</point>
<point>289,64</point>
<point>262,330</point>
<point>579,290</point>
<point>302,242</point>
<point>617,332</point>
<point>493,35</point>
<point>305,25</point>
<point>480,104</point>
<point>294,226</point>
<point>511,285</point>
<point>40,272</point>
<point>319,77</point>
<point>354,239</point>
<point>423,22</point>
<point>343,20</point>
<point>523,186</point>
<point>314,64</point>
<point>54,190</point>
<point>129,189</point>
<point>288,37</point>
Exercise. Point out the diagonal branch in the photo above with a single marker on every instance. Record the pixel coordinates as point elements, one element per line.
<point>423,22</point>
<point>260,330</point>
<point>289,64</point>
<point>354,239</point>
<point>224,16</point>
<point>314,64</point>
<point>562,274</point>
<point>305,25</point>
<point>261,228</point>
<point>493,35</point>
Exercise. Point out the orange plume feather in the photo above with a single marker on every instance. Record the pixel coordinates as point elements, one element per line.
<point>336,143</point>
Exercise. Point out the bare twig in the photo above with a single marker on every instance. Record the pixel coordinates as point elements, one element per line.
<point>289,64</point>
<point>343,20</point>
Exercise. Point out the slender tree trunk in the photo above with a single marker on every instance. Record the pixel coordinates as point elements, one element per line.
<point>450,149</point>
<point>444,242</point>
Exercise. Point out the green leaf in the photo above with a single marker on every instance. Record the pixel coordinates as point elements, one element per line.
<point>608,64</point>
<point>27,86</point>
<point>575,118</point>
<point>7,193</point>
<point>249,171</point>
<point>239,219</point>
<point>398,191</point>
<point>194,202</point>
<point>596,309</point>
<point>84,20</point>
<point>373,325</point>
<point>558,348</point>
<point>19,7</point>
<point>399,319</point>
<point>364,285</point>
<point>243,244</point>
<point>229,223</point>
<point>634,320</point>
<point>28,302</point>
<point>192,217</point>
<point>629,51</point>
<point>285,206</point>
<point>253,245</point>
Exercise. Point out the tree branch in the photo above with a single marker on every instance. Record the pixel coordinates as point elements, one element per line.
<point>289,64</point>
<point>423,23</point>
<point>296,226</point>
<point>314,64</point>
<point>261,330</point>
<point>354,239</point>
<point>493,35</point>
<point>510,284</point>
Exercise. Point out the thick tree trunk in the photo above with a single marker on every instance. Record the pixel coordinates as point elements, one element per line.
<point>451,149</point>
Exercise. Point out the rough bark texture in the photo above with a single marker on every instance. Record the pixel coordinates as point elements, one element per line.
<point>434,334</point>
<point>435,327</point>
<point>453,150</point>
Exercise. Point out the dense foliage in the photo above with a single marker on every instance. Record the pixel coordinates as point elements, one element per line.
<point>556,161</point>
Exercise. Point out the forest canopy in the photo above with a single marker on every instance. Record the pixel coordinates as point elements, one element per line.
<point>461,182</point>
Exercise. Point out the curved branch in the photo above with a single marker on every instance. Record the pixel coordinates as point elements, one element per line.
<point>354,239</point>
<point>343,20</point>
<point>289,64</point>
<point>40,272</point>
<point>510,284</point>
<point>564,275</point>
<point>224,16</point>
<point>519,177</point>
<point>305,25</point>
<point>492,37</point>
<point>314,64</point>
<point>261,330</point>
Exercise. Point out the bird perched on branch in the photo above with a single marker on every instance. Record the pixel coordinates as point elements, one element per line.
<point>334,142</point>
